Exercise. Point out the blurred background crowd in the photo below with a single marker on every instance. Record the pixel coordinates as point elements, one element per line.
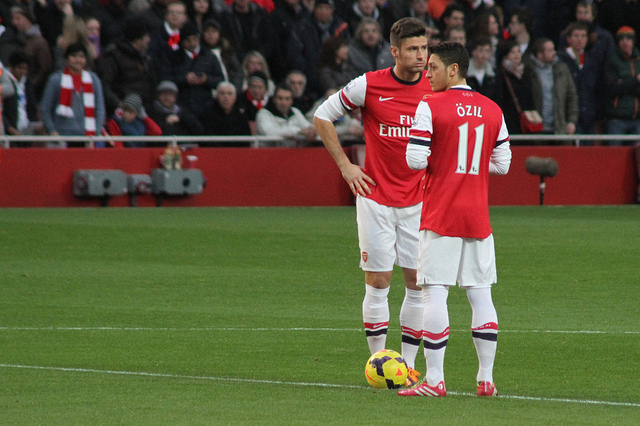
<point>243,67</point>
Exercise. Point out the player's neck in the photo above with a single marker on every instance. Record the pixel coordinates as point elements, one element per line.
<point>405,74</point>
<point>456,81</point>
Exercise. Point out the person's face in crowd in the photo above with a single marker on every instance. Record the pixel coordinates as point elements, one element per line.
<point>370,35</point>
<point>584,13</point>
<point>297,83</point>
<point>412,54</point>
<point>493,27</point>
<point>77,62</point>
<point>457,36</point>
<point>142,44</point>
<point>438,74</point>
<point>515,26</point>
<point>226,98</point>
<point>548,54</point>
<point>201,7</point>
<point>342,54</point>
<point>92,27</point>
<point>455,20</point>
<point>367,6</point>
<point>167,98</point>
<point>19,70</point>
<point>254,64</point>
<point>128,115</point>
<point>323,13</point>
<point>176,15</point>
<point>190,43</point>
<point>283,99</point>
<point>257,88</point>
<point>420,7</point>
<point>481,55</point>
<point>577,40</point>
<point>61,4</point>
<point>515,55</point>
<point>626,45</point>
<point>211,36</point>
<point>20,21</point>
<point>242,5</point>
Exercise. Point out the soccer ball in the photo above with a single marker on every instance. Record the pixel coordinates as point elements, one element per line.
<point>386,369</point>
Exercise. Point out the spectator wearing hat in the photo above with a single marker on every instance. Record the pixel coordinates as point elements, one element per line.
<point>225,117</point>
<point>255,97</point>
<point>305,44</point>
<point>131,119</point>
<point>126,66</point>
<point>222,51</point>
<point>195,71</point>
<point>171,117</point>
<point>622,83</point>
<point>35,46</point>
<point>73,103</point>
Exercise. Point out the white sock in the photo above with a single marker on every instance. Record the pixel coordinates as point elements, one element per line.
<point>411,325</point>
<point>375,313</point>
<point>484,328</point>
<point>435,331</point>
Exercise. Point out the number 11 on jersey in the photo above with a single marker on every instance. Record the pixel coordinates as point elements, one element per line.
<point>463,143</point>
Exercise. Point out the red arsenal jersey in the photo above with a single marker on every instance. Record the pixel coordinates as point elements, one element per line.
<point>388,105</point>
<point>462,128</point>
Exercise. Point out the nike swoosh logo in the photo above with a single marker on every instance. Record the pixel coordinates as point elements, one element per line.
<point>381,99</point>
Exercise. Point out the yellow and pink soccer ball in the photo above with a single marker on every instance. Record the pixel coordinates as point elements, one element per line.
<point>386,369</point>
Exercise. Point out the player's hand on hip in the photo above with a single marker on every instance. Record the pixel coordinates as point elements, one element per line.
<point>357,179</point>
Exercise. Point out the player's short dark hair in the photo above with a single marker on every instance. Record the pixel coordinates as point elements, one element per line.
<point>406,28</point>
<point>452,53</point>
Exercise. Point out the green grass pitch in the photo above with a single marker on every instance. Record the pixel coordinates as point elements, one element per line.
<point>253,316</point>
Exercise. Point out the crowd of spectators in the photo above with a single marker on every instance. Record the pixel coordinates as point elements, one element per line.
<point>247,67</point>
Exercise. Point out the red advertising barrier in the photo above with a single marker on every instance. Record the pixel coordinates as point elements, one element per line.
<point>35,177</point>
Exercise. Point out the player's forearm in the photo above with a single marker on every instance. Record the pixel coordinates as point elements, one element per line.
<point>327,133</point>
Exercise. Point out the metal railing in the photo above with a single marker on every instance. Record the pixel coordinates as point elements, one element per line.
<point>6,141</point>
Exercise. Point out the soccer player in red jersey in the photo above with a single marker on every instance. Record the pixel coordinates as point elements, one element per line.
<point>388,195</point>
<point>459,136</point>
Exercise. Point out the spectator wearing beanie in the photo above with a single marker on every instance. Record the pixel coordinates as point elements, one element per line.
<point>126,66</point>
<point>131,120</point>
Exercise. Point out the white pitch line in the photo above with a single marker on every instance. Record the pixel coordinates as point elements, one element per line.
<point>310,384</point>
<point>279,329</point>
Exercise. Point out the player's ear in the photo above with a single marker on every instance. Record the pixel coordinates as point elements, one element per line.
<point>453,69</point>
<point>394,51</point>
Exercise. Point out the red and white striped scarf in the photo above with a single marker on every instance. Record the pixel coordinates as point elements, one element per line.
<point>78,83</point>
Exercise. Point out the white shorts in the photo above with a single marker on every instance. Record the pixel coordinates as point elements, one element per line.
<point>387,235</point>
<point>444,260</point>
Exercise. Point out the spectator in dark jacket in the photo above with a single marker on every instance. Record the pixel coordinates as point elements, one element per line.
<point>20,111</point>
<point>171,117</point>
<point>622,82</point>
<point>225,117</point>
<point>305,44</point>
<point>482,76</point>
<point>194,69</point>
<point>126,67</point>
